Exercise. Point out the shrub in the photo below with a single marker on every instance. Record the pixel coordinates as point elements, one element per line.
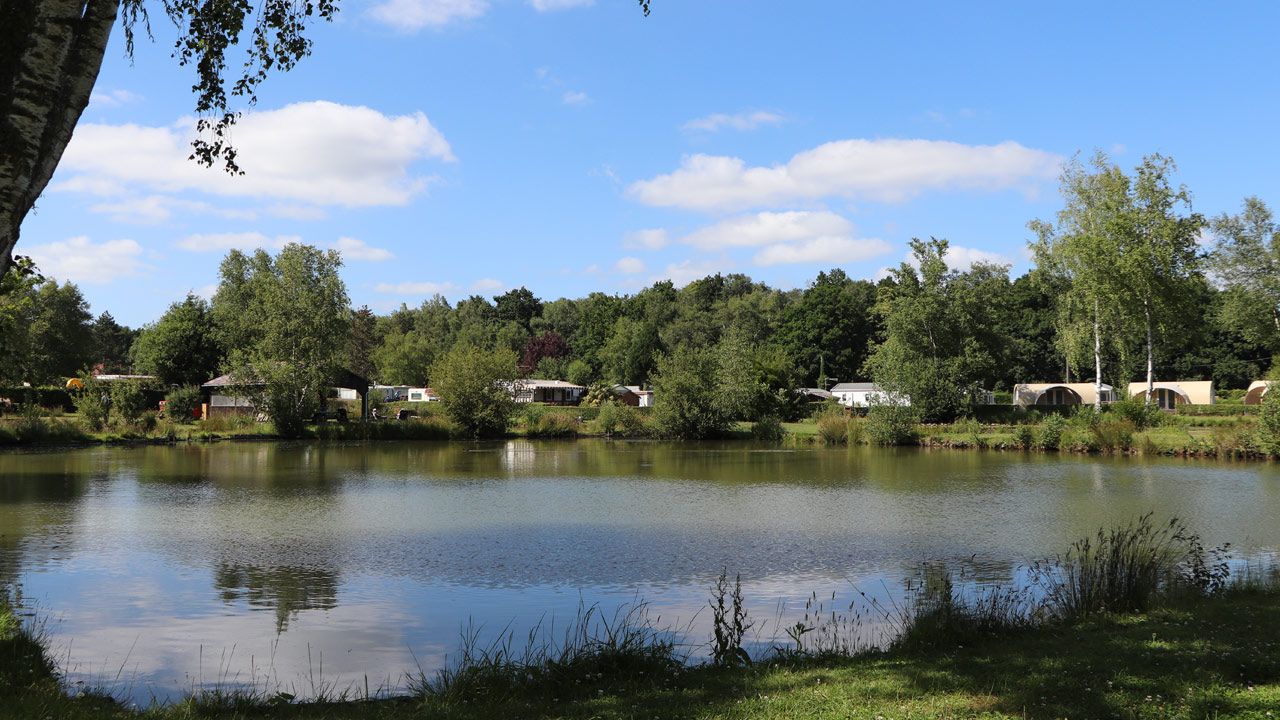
<point>833,429</point>
<point>1269,423</point>
<point>1138,412</point>
<point>128,399</point>
<point>1024,437</point>
<point>1050,436</point>
<point>607,419</point>
<point>93,405</point>
<point>892,424</point>
<point>768,429</point>
<point>181,403</point>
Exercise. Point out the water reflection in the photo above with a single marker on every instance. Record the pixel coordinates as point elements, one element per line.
<point>271,554</point>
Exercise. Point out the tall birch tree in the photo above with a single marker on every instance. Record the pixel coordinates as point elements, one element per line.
<point>1084,247</point>
<point>1160,259</point>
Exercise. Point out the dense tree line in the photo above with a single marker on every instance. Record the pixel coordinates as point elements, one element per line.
<point>1123,288</point>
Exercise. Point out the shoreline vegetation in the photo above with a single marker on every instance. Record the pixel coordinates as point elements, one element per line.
<point>1134,621</point>
<point>1223,431</point>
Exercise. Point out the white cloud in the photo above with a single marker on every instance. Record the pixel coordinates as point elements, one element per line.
<point>353,249</point>
<point>113,98</point>
<point>410,15</point>
<point>574,97</point>
<point>155,209</point>
<point>683,273</point>
<point>828,249</point>
<point>222,242</point>
<point>82,261</point>
<point>767,228</point>
<point>552,5</point>
<point>487,285</point>
<point>652,239</point>
<point>736,121</point>
<point>416,288</point>
<point>629,266</point>
<point>882,170</point>
<point>313,153</point>
<point>963,258</point>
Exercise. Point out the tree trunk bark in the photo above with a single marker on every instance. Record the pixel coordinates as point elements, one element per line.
<point>1151,353</point>
<point>1097,357</point>
<point>50,55</point>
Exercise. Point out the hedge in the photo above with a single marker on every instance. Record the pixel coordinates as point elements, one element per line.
<point>1222,409</point>
<point>48,397</point>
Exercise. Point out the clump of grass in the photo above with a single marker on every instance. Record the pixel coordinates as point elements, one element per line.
<point>1024,437</point>
<point>594,650</point>
<point>833,428</point>
<point>1113,435</point>
<point>856,431</point>
<point>1051,431</point>
<point>1126,568</point>
<point>553,425</point>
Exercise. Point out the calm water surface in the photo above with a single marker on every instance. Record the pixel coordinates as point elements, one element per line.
<point>162,569</point>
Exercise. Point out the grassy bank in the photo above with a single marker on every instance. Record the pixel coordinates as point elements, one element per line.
<point>1137,622</point>
<point>1226,432</point>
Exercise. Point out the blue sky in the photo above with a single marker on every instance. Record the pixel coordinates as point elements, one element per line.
<point>468,146</point>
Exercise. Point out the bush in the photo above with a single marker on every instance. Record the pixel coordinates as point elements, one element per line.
<point>1024,437</point>
<point>620,419</point>
<point>1050,435</point>
<point>1138,412</point>
<point>128,399</point>
<point>833,429</point>
<point>473,388</point>
<point>181,403</point>
<point>1269,423</point>
<point>892,424</point>
<point>93,405</point>
<point>768,429</point>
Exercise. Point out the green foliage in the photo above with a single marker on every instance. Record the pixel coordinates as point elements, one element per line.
<point>1269,422</point>
<point>474,388</point>
<point>768,429</point>
<point>1024,437</point>
<point>830,326</point>
<point>939,342</point>
<point>93,403</point>
<point>180,348</point>
<point>579,372</point>
<point>1247,259</point>
<point>128,399</point>
<point>1051,431</point>
<point>890,424</point>
<point>553,425</point>
<point>181,403</point>
<point>687,403</point>
<point>1140,414</point>
<point>620,419</point>
<point>1113,434</point>
<point>286,322</point>
<point>833,428</point>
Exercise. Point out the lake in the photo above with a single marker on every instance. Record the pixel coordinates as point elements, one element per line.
<point>303,567</point>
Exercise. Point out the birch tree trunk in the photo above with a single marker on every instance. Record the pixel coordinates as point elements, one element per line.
<point>1151,353</point>
<point>50,55</point>
<point>1097,356</point>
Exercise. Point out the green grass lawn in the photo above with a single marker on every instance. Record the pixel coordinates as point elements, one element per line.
<point>1214,658</point>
